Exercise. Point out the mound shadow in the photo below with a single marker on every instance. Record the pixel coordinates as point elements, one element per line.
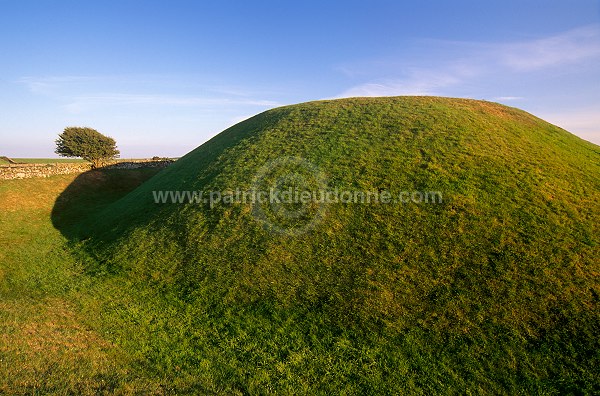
<point>90,193</point>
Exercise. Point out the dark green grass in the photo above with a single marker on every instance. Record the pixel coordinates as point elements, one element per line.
<point>493,291</point>
<point>92,191</point>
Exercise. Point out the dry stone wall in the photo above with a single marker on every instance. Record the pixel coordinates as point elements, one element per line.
<point>26,171</point>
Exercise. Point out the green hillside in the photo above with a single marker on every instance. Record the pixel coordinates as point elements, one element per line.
<point>494,289</point>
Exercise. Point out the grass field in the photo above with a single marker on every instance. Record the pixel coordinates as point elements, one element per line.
<point>494,291</point>
<point>46,346</point>
<point>47,160</point>
<point>52,160</point>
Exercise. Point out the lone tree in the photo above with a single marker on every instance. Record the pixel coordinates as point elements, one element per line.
<point>88,144</point>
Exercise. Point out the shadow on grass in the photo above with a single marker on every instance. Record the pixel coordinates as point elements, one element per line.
<point>90,193</point>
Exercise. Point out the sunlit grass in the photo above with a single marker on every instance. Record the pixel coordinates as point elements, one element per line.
<point>48,160</point>
<point>46,346</point>
<point>494,291</point>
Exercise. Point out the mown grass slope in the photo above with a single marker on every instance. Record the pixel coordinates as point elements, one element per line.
<point>493,290</point>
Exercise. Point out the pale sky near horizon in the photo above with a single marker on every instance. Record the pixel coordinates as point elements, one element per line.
<point>162,77</point>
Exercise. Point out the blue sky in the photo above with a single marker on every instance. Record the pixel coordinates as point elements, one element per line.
<point>162,77</point>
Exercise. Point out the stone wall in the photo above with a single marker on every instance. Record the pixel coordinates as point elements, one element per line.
<point>135,164</point>
<point>25,171</point>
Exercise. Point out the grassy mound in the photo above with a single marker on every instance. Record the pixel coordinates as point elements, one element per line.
<point>492,289</point>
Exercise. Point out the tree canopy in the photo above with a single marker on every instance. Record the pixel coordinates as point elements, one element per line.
<point>86,143</point>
